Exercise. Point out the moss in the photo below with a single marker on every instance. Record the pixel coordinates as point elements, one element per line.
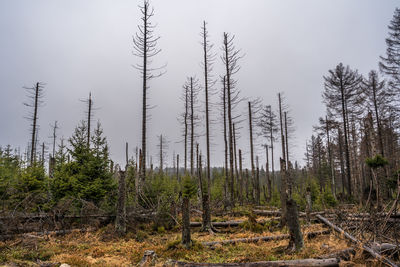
<point>141,236</point>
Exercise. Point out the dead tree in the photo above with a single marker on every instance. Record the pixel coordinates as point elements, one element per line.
<point>240,178</point>
<point>235,158</point>
<point>145,47</point>
<point>185,118</point>
<point>267,176</point>
<point>120,220</point>
<point>230,59</point>
<point>162,146</point>
<point>35,94</point>
<point>208,83</point>
<point>256,193</point>
<point>292,219</point>
<point>283,166</point>
<point>224,104</point>
<point>193,91</point>
<point>89,118</point>
<point>268,128</point>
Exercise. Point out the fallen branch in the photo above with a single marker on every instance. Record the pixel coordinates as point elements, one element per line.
<point>262,238</point>
<point>304,262</point>
<point>231,223</point>
<point>357,242</point>
<point>344,254</point>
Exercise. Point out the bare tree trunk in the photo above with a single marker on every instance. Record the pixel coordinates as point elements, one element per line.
<point>225,140</point>
<point>230,121</point>
<point>346,143</point>
<point>177,169</point>
<point>161,155</point>
<point>191,127</point>
<point>286,141</point>
<point>268,179</point>
<point>235,155</point>
<point>34,123</point>
<point>240,178</point>
<point>331,167</point>
<point>186,240</point>
<point>247,184</point>
<point>120,220</point>
<point>341,161</point>
<point>257,182</point>
<point>89,119</point>
<point>252,154</point>
<point>186,129</point>
<point>292,217</point>
<point>126,156</point>
<point>207,196</point>
<point>283,167</point>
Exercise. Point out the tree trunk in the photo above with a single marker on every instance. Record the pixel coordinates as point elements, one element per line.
<point>225,142</point>
<point>120,220</point>
<point>269,185</point>
<point>283,166</point>
<point>186,240</point>
<point>240,178</point>
<point>292,217</point>
<point>252,155</point>
<point>346,143</point>
<point>191,127</point>
<point>207,196</point>
<point>230,120</point>
<point>34,124</point>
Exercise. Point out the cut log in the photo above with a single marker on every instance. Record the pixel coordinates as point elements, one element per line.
<point>304,262</point>
<point>357,242</point>
<point>262,238</point>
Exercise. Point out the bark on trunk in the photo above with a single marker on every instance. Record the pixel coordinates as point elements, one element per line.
<point>292,217</point>
<point>186,240</point>
<point>120,220</point>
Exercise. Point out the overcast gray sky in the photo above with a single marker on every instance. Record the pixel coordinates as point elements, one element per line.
<point>79,46</point>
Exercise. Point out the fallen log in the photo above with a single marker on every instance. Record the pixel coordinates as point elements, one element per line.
<point>231,223</point>
<point>290,263</point>
<point>262,238</point>
<point>344,254</point>
<point>267,212</point>
<point>278,213</point>
<point>357,242</point>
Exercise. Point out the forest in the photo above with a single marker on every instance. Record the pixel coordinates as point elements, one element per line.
<point>67,202</point>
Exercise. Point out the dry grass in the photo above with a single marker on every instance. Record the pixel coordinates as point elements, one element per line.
<point>101,248</point>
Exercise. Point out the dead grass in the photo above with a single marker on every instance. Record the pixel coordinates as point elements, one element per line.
<point>101,248</point>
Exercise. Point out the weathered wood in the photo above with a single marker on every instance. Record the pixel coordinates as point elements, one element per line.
<point>357,242</point>
<point>278,213</point>
<point>262,238</point>
<point>232,223</point>
<point>292,221</point>
<point>303,262</point>
<point>344,254</point>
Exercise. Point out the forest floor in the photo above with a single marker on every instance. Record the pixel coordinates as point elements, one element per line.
<point>103,248</point>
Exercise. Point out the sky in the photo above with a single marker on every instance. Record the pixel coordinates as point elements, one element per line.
<point>76,47</point>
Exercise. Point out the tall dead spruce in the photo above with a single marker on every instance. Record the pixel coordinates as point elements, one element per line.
<point>145,47</point>
<point>208,83</point>
<point>230,58</point>
<point>35,94</point>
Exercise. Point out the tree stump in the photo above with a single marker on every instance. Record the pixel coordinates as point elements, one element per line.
<point>292,219</point>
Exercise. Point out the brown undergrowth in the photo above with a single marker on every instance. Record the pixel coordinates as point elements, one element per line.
<point>103,248</point>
